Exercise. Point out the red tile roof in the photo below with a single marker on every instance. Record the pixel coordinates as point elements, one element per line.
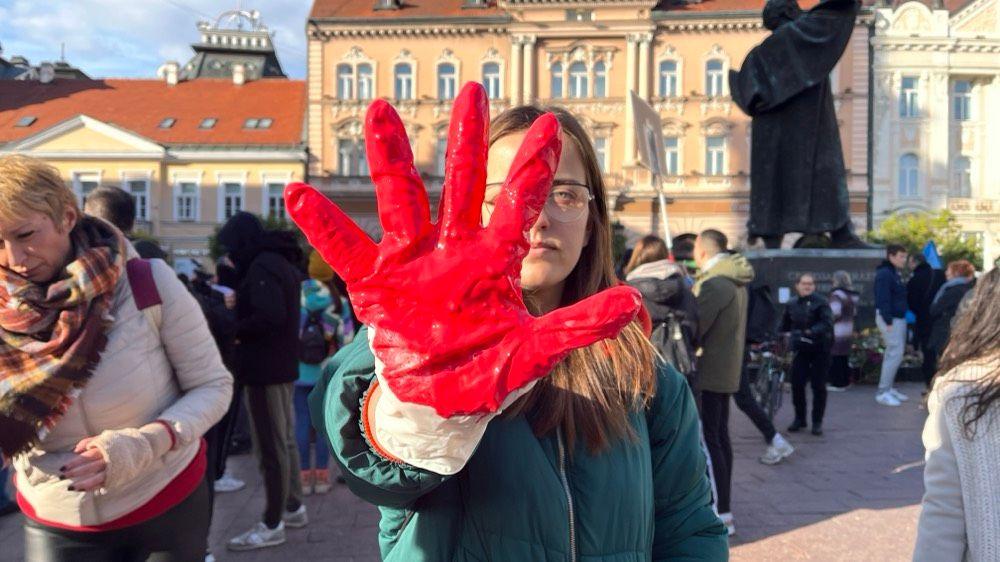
<point>409,9</point>
<point>140,105</point>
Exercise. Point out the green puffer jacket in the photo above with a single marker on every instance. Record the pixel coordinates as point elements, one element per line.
<point>647,500</point>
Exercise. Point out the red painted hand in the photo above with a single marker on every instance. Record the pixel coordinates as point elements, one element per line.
<point>444,299</point>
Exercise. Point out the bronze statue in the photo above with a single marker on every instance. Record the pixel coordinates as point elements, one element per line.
<point>798,180</point>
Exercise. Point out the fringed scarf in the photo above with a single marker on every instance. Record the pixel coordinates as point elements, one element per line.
<point>51,335</point>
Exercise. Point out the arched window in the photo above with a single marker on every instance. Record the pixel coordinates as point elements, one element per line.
<point>491,79</point>
<point>668,79</point>
<point>403,81</point>
<point>557,80</point>
<point>600,79</point>
<point>713,78</point>
<point>578,87</point>
<point>345,82</point>
<point>909,175</point>
<point>961,185</point>
<point>446,81</point>
<point>365,82</point>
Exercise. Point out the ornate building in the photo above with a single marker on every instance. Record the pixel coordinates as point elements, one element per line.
<point>583,55</point>
<point>936,113</point>
<point>192,149</point>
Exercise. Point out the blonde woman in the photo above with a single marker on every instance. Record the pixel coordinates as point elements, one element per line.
<point>109,377</point>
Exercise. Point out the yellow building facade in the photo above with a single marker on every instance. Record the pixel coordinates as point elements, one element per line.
<point>584,56</point>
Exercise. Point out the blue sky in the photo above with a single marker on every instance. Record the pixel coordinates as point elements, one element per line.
<point>132,38</point>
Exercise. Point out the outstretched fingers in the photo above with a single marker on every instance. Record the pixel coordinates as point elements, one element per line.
<point>402,200</point>
<point>465,165</point>
<point>343,245</point>
<point>552,336</point>
<point>527,184</point>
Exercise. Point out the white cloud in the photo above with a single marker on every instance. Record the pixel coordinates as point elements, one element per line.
<point>131,38</point>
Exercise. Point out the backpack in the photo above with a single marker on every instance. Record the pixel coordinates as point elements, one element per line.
<point>762,315</point>
<point>144,292</point>
<point>675,345</point>
<point>312,339</point>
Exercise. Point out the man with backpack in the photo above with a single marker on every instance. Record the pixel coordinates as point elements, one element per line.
<point>266,361</point>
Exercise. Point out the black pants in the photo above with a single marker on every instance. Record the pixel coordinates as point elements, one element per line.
<point>810,366</point>
<point>272,420</point>
<point>745,402</point>
<point>715,424</point>
<point>929,367</point>
<point>840,371</point>
<point>178,535</point>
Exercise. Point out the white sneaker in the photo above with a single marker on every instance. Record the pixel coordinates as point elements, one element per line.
<point>898,395</point>
<point>727,520</point>
<point>887,399</point>
<point>229,484</point>
<point>259,536</point>
<point>833,388</point>
<point>778,450</point>
<point>296,519</point>
<point>209,557</point>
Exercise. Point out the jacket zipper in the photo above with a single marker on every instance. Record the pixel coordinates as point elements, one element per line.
<point>569,496</point>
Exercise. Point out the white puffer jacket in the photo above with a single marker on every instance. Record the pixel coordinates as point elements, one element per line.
<point>960,519</point>
<point>174,374</point>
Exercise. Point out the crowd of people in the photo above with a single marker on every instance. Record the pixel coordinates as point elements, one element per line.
<point>606,396</point>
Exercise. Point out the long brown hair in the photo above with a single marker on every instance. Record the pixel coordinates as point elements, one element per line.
<point>591,392</point>
<point>977,328</point>
<point>648,249</point>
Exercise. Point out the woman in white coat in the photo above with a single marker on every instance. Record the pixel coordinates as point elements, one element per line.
<point>960,519</point>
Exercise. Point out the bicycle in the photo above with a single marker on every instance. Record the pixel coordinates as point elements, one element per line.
<point>767,377</point>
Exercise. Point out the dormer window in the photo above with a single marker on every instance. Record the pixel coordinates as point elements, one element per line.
<point>26,121</point>
<point>258,123</point>
<point>167,123</point>
<point>207,123</point>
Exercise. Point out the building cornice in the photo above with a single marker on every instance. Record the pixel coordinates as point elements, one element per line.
<point>403,31</point>
<point>935,44</point>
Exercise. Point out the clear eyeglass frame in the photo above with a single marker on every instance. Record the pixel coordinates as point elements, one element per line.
<point>553,209</point>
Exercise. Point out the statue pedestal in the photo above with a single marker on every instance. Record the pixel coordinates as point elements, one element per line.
<point>779,269</point>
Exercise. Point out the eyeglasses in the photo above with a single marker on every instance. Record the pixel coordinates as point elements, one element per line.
<point>566,202</point>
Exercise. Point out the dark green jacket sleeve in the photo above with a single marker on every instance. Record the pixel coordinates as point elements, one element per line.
<point>686,527</point>
<point>335,409</point>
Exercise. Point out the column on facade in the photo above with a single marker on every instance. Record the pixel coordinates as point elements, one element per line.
<point>528,55</point>
<point>645,45</point>
<point>515,71</point>
<point>938,109</point>
<point>630,84</point>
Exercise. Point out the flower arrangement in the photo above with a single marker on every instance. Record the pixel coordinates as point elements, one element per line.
<point>866,355</point>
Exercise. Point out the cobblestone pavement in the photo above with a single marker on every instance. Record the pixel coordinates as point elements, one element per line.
<point>852,494</point>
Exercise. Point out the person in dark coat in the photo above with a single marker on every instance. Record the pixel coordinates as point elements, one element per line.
<point>798,181</point>
<point>943,309</point>
<point>809,320</point>
<point>920,291</point>
<point>672,308</point>
<point>890,318</point>
<point>267,332</point>
<point>844,305</point>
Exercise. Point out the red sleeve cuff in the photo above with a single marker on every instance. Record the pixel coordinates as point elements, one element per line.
<point>170,430</point>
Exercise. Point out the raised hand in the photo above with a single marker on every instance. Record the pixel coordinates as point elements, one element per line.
<point>450,328</point>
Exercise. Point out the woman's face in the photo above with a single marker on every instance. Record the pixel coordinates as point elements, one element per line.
<point>555,244</point>
<point>806,286</point>
<point>34,246</point>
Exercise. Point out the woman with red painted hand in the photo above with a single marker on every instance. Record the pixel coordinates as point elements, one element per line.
<point>108,379</point>
<point>502,403</point>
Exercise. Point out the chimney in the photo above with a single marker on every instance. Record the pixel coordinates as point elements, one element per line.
<point>388,4</point>
<point>169,71</point>
<point>239,73</point>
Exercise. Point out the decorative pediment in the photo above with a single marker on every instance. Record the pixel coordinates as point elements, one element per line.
<point>349,128</point>
<point>355,55</point>
<point>717,127</point>
<point>85,135</point>
<point>674,127</point>
<point>981,17</point>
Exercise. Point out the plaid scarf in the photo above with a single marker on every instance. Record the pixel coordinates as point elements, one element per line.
<point>51,335</point>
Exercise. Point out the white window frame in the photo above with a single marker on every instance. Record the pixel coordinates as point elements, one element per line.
<point>603,155</point>
<point>672,157</point>
<point>575,81</point>
<point>961,178</point>
<point>178,180</point>
<point>492,83</point>
<point>711,162</point>
<point>221,179</point>
<point>440,152</point>
<point>670,54</point>
<point>340,80</point>
<point>406,86</point>
<point>665,79</point>
<point>447,89</point>
<point>81,176</point>
<point>908,179</point>
<point>909,98</point>
<point>715,81</point>
<point>147,198</point>
<point>557,75</point>
<point>354,159</point>
<point>961,101</point>
<point>601,92</point>
<point>364,88</point>
<point>267,180</point>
